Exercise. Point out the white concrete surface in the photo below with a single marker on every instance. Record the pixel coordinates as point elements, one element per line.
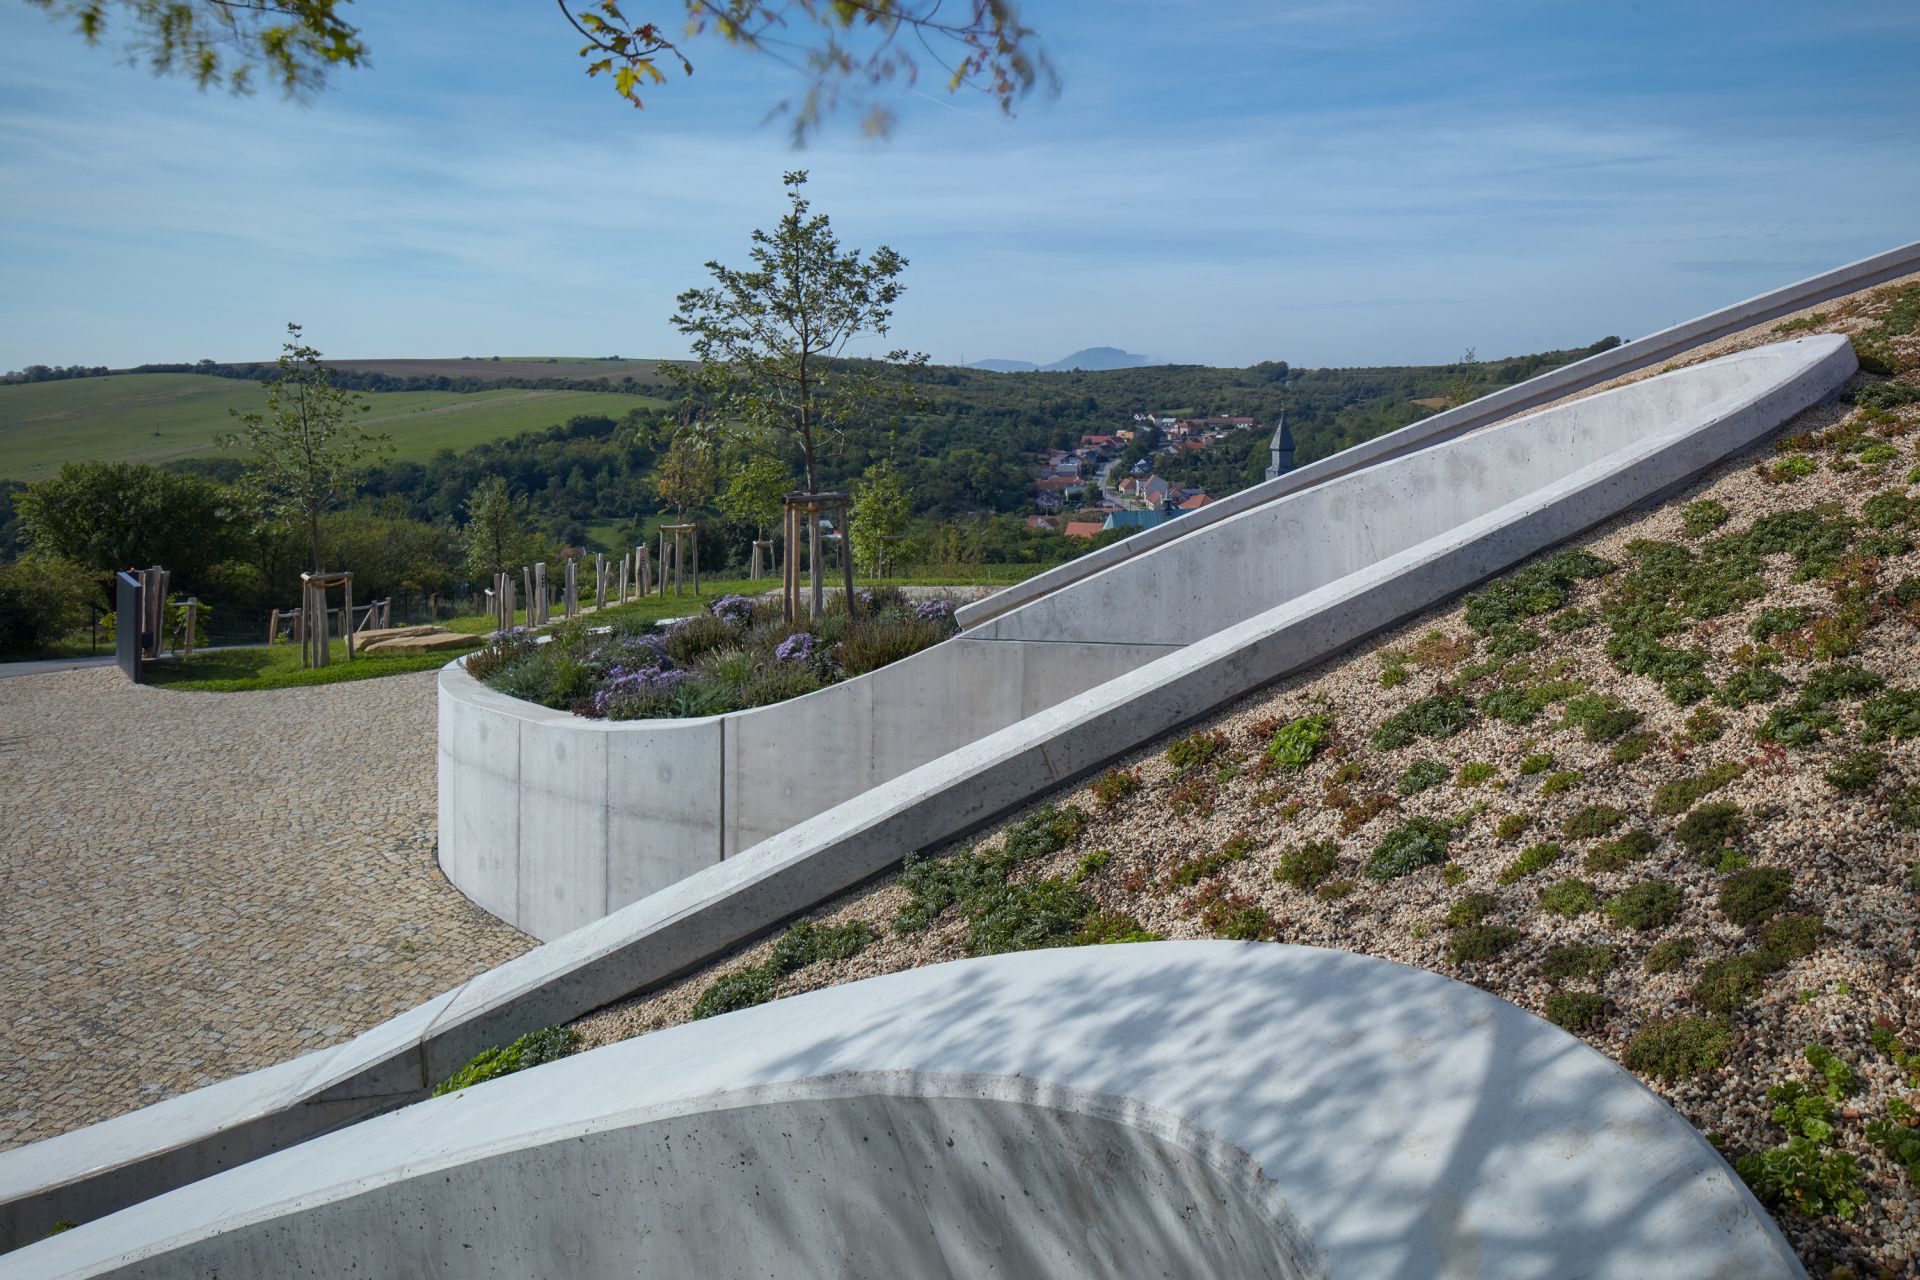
<point>93,1171</point>
<point>1451,423</point>
<point>1170,1109</point>
<point>550,821</point>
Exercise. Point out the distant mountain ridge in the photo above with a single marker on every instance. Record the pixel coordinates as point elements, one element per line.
<point>1092,358</point>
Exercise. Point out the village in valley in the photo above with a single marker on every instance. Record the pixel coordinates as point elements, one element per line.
<point>1090,489</point>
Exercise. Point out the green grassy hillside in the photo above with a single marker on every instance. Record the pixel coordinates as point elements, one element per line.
<point>158,417</point>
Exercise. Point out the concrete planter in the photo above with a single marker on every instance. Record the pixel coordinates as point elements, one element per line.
<point>551,821</point>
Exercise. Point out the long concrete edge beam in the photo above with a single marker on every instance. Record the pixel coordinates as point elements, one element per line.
<point>1460,1164</point>
<point>89,1172</point>
<point>1471,416</point>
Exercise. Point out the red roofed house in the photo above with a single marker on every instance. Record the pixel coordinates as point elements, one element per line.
<point>1083,528</point>
<point>1196,502</point>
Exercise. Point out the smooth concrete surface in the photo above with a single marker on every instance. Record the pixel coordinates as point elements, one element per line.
<point>1153,1110</point>
<point>550,821</point>
<point>1449,424</point>
<point>93,1171</point>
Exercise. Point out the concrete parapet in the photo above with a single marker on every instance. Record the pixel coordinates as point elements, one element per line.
<point>1191,1108</point>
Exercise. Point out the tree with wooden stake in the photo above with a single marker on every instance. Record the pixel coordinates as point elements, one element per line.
<point>771,343</point>
<point>306,448</point>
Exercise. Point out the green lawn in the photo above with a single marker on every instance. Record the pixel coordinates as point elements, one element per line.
<point>157,417</point>
<point>278,667</point>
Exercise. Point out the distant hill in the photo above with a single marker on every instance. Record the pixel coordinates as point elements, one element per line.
<point>1087,358</point>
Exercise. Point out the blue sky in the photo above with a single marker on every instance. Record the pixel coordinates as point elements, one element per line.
<point>1327,182</point>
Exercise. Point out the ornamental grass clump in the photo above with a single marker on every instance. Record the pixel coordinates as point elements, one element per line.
<point>739,653</point>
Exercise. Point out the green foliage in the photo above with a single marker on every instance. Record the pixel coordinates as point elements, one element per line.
<point>1533,858</point>
<point>1090,864</point>
<point>1701,518</point>
<point>1440,716</point>
<point>803,944</point>
<point>1192,871</point>
<point>549,1044</point>
<point>1797,466</point>
<point>1044,832</point>
<point>769,340</point>
<point>1576,960</point>
<point>1421,775</point>
<point>103,516</point>
<point>1635,746</point>
<point>1778,620</point>
<point>1538,762</point>
<point>1894,714</point>
<point>1308,865</point>
<point>1709,829</point>
<point>1678,1048</point>
<point>1748,897</point>
<point>1480,942</point>
<point>1730,984</point>
<point>1600,717</point>
<point>1296,743</point>
<point>1904,807</point>
<point>1593,820</point>
<point>41,600</point>
<point>1671,798</point>
<point>1669,954</point>
<point>1563,780</point>
<point>1415,843</point>
<point>1115,785</point>
<point>881,508</point>
<point>1334,890</point>
<point>1568,898</point>
<point>1511,825</point>
<point>1856,771</point>
<point>1575,1011</point>
<point>1475,772</point>
<point>1802,1174</point>
<point>1001,916</point>
<point>1632,847</point>
<point>1520,704</point>
<point>1790,938</point>
<point>1568,621</point>
<point>1024,917</point>
<point>1237,918</point>
<point>1472,909</point>
<point>1648,905</point>
<point>1540,588</point>
<point>1196,749</point>
<point>1106,927</point>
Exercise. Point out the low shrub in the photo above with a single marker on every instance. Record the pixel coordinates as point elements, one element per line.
<point>1107,927</point>
<point>1648,905</point>
<point>1594,820</point>
<point>1564,780</point>
<point>803,944</point>
<point>1236,918</point>
<point>1790,938</point>
<point>1576,960</point>
<point>1677,797</point>
<point>1044,832</point>
<point>1669,954</point>
<point>1512,824</point>
<point>1472,909</point>
<point>1415,843</point>
<point>1856,771</point>
<point>1481,942</point>
<point>1894,714</point>
<point>1115,785</point>
<point>1632,847</point>
<point>1709,829</point>
<point>1635,746</point>
<point>1294,745</point>
<point>1025,917</point>
<point>1575,1011</point>
<point>1423,774</point>
<point>1748,897</point>
<point>1192,871</point>
<point>1538,762</point>
<point>1196,749</point>
<point>1440,716</point>
<point>1730,984</point>
<point>1678,1048</point>
<point>1533,858</point>
<point>1308,865</point>
<point>1600,717</point>
<point>1701,518</point>
<point>1540,588</point>
<point>549,1044</point>
<point>1568,898</point>
<point>1475,772</point>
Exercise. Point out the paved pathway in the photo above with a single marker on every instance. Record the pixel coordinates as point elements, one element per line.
<point>194,885</point>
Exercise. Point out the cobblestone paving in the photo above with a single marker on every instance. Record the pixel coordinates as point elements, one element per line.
<point>194,885</point>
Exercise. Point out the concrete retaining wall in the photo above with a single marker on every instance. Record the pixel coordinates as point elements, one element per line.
<point>1190,1109</point>
<point>550,821</point>
<point>96,1170</point>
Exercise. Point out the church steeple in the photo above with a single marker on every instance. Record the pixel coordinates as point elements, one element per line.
<point>1280,449</point>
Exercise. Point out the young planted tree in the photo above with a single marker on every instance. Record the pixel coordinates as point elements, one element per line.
<point>881,508</point>
<point>498,533</point>
<point>770,339</point>
<point>685,476</point>
<point>306,448</point>
<point>756,491</point>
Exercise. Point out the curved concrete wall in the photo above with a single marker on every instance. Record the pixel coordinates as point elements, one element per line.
<point>92,1171</point>
<point>1451,423</point>
<point>1184,1109</point>
<point>551,821</point>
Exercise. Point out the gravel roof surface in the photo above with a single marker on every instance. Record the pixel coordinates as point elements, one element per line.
<point>1845,856</point>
